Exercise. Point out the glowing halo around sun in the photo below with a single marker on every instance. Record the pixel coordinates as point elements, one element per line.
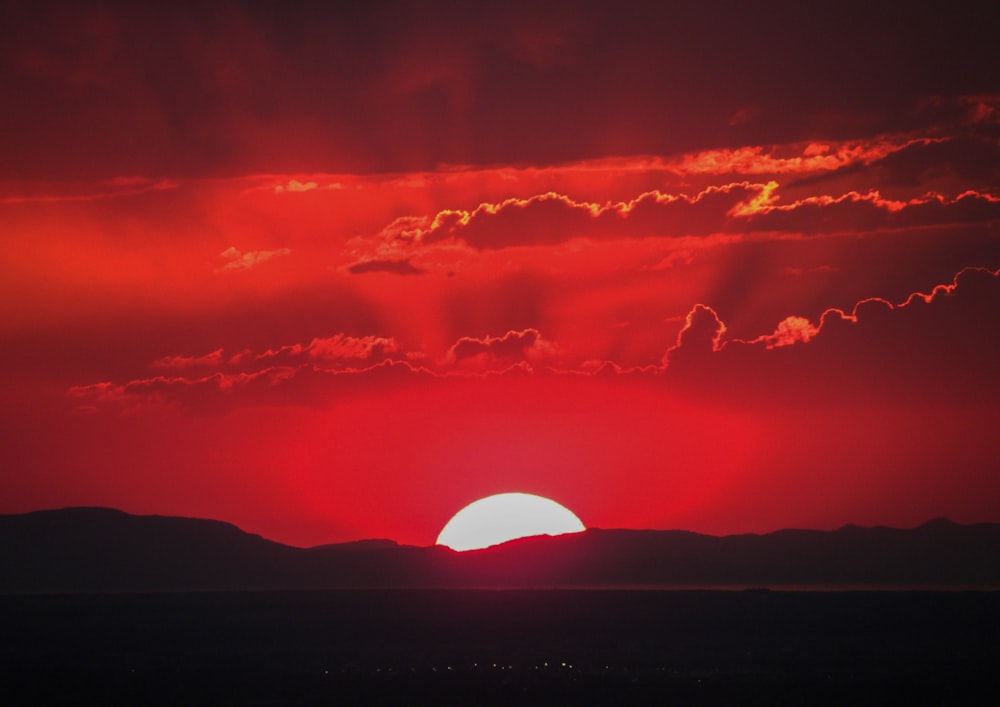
<point>507,516</point>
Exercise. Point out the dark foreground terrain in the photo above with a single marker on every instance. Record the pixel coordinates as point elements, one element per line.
<point>502,647</point>
<point>102,550</point>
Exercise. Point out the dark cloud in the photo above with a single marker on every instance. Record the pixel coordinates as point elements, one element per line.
<point>513,347</point>
<point>936,347</point>
<point>121,339</point>
<point>187,89</point>
<point>856,212</point>
<point>321,373</point>
<point>331,352</point>
<point>964,161</point>
<point>551,218</point>
<point>740,208</point>
<point>701,335</point>
<point>303,385</point>
<point>397,267</point>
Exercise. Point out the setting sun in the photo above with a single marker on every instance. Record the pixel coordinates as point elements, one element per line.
<point>507,516</point>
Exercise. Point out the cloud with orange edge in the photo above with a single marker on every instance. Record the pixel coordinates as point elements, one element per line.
<point>491,352</point>
<point>209,360</point>
<point>876,348</point>
<point>237,261</point>
<point>793,159</point>
<point>932,345</point>
<point>551,218</point>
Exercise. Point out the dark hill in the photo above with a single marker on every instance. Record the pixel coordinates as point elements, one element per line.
<point>98,549</point>
<point>101,550</point>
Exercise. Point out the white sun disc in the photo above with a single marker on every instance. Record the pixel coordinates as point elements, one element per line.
<point>507,516</point>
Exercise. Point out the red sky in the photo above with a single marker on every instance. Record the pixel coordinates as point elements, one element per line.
<point>334,274</point>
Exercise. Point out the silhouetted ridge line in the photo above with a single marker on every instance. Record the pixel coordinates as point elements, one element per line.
<point>106,550</point>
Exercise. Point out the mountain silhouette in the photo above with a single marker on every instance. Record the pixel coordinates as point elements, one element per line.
<point>106,550</point>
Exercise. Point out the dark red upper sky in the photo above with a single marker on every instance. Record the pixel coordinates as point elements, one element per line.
<point>332,274</point>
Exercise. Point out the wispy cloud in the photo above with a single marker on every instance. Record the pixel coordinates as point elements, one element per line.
<point>53,192</point>
<point>236,260</point>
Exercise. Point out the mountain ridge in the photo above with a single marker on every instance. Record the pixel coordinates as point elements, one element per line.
<point>93,549</point>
